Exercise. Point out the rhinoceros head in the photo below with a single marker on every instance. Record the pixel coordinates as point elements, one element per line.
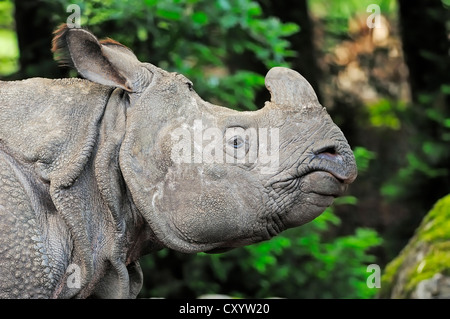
<point>209,178</point>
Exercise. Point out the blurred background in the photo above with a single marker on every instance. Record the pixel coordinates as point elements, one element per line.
<point>386,86</point>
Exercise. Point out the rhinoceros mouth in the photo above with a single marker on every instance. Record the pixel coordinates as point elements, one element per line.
<point>321,182</point>
<point>326,183</point>
<point>306,197</point>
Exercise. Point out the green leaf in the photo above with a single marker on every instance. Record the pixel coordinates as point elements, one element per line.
<point>142,34</point>
<point>169,14</point>
<point>346,200</point>
<point>9,52</point>
<point>289,29</point>
<point>382,114</point>
<point>223,5</point>
<point>200,18</point>
<point>363,157</point>
<point>445,88</point>
<point>447,122</point>
<point>254,10</point>
<point>150,3</point>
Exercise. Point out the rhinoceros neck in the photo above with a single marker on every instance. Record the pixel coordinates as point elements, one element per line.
<point>131,237</point>
<point>111,183</point>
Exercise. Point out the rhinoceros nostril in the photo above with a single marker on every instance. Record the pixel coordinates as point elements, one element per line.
<point>332,161</point>
<point>329,152</point>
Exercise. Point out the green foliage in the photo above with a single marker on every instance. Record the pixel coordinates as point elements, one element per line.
<point>9,52</point>
<point>427,162</point>
<point>206,41</point>
<point>363,157</point>
<point>337,14</point>
<point>383,113</point>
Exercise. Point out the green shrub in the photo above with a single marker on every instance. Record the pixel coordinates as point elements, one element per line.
<point>202,39</point>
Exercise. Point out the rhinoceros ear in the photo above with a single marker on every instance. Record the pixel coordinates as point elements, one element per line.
<point>106,62</point>
<point>288,89</point>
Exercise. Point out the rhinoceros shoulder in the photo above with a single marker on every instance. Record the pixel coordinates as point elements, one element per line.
<point>51,123</point>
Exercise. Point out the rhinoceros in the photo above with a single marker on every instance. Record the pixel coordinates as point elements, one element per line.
<point>96,172</point>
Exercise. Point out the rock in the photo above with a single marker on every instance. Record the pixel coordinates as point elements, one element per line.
<point>436,287</point>
<point>422,269</point>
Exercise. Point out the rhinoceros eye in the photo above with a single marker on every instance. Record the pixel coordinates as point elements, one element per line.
<point>237,145</point>
<point>237,142</point>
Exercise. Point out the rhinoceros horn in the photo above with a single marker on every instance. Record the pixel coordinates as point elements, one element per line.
<point>289,89</point>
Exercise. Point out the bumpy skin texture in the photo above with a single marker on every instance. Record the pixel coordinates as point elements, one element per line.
<point>88,177</point>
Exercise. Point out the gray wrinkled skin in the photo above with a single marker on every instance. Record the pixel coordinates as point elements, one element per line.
<point>87,176</point>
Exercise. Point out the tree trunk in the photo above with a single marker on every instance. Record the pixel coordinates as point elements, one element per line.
<point>425,44</point>
<point>34,34</point>
<point>302,43</point>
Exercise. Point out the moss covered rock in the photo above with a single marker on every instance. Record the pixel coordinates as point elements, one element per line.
<point>422,269</point>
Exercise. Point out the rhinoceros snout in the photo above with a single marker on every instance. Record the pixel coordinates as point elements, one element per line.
<point>336,159</point>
